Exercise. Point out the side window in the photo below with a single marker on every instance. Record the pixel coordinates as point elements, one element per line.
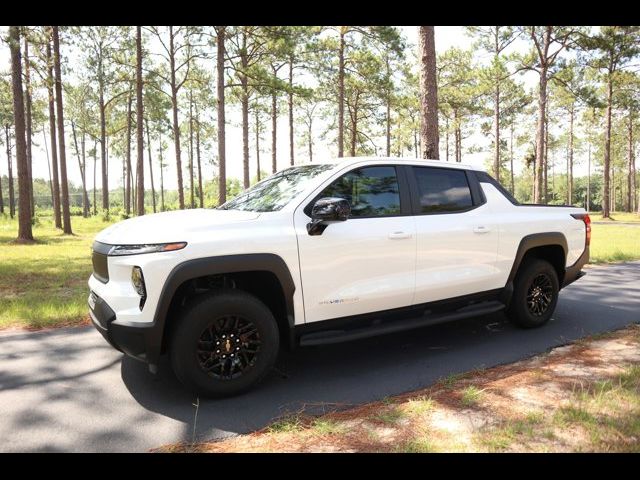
<point>442,190</point>
<point>371,191</point>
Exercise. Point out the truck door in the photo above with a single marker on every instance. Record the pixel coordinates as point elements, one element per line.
<point>366,263</point>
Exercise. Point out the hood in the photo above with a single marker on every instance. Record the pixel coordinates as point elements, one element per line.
<point>174,226</point>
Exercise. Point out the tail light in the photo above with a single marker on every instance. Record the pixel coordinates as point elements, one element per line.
<point>587,223</point>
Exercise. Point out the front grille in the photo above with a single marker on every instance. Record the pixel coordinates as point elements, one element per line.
<point>100,264</point>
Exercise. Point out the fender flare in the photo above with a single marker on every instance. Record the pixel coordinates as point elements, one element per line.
<point>201,267</point>
<point>527,243</point>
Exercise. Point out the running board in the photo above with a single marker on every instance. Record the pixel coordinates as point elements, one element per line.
<point>338,336</point>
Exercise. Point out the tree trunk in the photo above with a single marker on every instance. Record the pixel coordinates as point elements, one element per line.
<point>244,101</point>
<point>353,113</point>
<point>258,142</point>
<point>388,109</point>
<point>570,172</point>
<point>153,188</point>
<point>66,217</point>
<point>553,177</point>
<point>291,127</point>
<point>46,150</point>
<point>274,132</point>
<point>28,124</point>
<point>176,125</point>
<point>606,202</point>
<point>446,138</point>
<point>222,172</point>
<point>613,188</point>
<point>545,161</point>
<point>103,138</point>
<point>428,94</point>
<point>95,162</point>
<point>125,196</point>
<point>415,143</point>
<point>107,154</point>
<point>341,93</point>
<point>632,173</point>
<point>85,198</point>
<point>513,189</point>
<point>388,133</point>
<point>200,192</point>
<point>24,209</point>
<point>496,132</point>
<point>54,143</point>
<point>139,126</point>
<point>2,197</point>
<point>161,173</point>
<point>540,139</point>
<point>127,169</point>
<point>589,180</point>
<point>83,142</point>
<point>191,177</point>
<point>456,136</point>
<point>12,202</point>
<point>310,132</point>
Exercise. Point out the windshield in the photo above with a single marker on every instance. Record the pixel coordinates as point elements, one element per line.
<point>275,192</point>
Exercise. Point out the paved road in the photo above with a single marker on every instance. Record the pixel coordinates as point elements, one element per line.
<point>66,390</point>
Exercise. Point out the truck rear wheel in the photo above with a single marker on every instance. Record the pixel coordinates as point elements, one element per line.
<point>225,343</point>
<point>535,294</point>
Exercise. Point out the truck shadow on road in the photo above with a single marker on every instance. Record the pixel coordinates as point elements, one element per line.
<point>319,379</point>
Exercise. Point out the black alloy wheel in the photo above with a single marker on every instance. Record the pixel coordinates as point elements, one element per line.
<point>228,347</point>
<point>540,295</point>
<point>535,293</point>
<point>224,343</point>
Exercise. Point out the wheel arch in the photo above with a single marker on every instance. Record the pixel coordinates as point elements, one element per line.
<point>268,266</point>
<point>550,246</point>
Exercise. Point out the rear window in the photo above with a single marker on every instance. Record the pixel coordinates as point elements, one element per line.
<point>442,190</point>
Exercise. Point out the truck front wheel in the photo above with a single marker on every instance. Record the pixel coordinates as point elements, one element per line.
<point>225,343</point>
<point>535,294</point>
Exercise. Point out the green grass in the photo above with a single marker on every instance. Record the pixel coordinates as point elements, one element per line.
<point>45,284</point>
<point>417,445</point>
<point>420,405</point>
<point>327,426</point>
<point>450,380</point>
<point>507,433</point>
<point>614,243</point>
<point>616,217</point>
<point>389,415</point>
<point>471,396</point>
<point>606,414</point>
<point>287,424</point>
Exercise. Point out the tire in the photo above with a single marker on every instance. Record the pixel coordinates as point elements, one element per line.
<point>247,326</point>
<point>531,308</point>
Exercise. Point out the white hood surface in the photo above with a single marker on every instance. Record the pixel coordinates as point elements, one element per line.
<point>174,226</point>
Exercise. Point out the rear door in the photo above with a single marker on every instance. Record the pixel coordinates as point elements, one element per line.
<point>366,263</point>
<point>457,237</point>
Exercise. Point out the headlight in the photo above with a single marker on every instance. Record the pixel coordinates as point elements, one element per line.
<point>137,279</point>
<point>118,250</point>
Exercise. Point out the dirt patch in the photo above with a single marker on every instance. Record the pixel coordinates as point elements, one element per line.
<point>580,397</point>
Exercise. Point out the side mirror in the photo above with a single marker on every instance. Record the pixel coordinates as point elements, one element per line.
<point>325,211</point>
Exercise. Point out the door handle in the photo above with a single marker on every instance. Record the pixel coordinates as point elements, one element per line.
<point>399,235</point>
<point>481,229</point>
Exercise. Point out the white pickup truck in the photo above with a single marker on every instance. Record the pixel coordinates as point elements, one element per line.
<point>326,253</point>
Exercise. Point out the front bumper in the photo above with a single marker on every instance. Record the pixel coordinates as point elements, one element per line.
<point>140,341</point>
